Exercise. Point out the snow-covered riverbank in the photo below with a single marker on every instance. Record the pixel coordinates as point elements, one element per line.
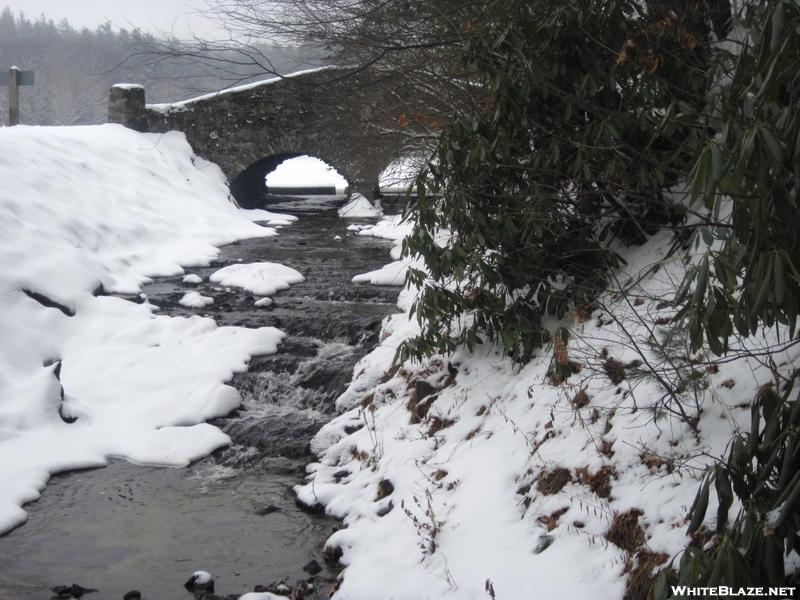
<point>86,211</point>
<point>472,477</point>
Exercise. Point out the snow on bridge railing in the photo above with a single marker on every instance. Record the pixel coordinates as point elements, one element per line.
<point>167,106</point>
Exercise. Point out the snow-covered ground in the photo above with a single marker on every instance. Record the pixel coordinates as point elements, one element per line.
<point>399,176</point>
<point>463,477</point>
<point>471,477</point>
<point>84,376</point>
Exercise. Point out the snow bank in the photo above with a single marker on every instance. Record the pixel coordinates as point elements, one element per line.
<point>271,219</point>
<point>88,210</point>
<point>395,229</point>
<point>399,176</point>
<point>469,473</point>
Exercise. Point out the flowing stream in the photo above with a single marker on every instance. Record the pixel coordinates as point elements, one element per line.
<point>126,527</point>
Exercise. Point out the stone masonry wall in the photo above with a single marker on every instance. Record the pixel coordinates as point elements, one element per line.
<point>313,112</point>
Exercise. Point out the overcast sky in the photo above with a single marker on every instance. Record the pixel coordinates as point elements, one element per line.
<point>147,15</point>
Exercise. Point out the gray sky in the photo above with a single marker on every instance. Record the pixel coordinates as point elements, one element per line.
<point>147,15</point>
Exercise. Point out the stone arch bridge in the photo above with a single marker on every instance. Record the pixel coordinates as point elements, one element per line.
<point>249,130</point>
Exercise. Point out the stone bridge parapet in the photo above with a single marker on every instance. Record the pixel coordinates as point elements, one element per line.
<point>250,129</point>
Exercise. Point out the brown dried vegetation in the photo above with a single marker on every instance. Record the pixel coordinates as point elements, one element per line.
<point>552,482</point>
<point>625,531</point>
<point>654,462</point>
<point>600,482</point>
<point>640,570</point>
<point>615,370</point>
<point>551,521</point>
<point>437,423</point>
<point>580,400</point>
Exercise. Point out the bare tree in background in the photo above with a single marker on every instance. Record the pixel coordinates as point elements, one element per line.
<point>402,56</point>
<point>75,91</point>
<point>399,57</point>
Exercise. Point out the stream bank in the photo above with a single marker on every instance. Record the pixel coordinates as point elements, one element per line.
<point>233,513</point>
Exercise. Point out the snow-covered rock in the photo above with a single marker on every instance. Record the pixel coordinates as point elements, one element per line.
<point>358,208</point>
<point>195,300</point>
<point>262,279</point>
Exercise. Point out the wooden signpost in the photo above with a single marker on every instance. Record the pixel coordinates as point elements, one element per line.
<point>15,78</point>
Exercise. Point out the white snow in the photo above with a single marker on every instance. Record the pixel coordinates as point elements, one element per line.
<point>271,219</point>
<point>262,278</point>
<point>195,300</point>
<point>359,207</point>
<point>192,279</point>
<point>470,509</point>
<point>390,228</point>
<point>399,176</point>
<point>128,86</point>
<point>184,104</point>
<point>305,171</point>
<point>201,577</point>
<point>392,274</point>
<point>90,209</point>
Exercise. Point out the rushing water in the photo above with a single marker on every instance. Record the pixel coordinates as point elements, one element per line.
<point>126,527</point>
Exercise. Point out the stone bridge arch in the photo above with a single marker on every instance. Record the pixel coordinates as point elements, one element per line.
<point>250,129</point>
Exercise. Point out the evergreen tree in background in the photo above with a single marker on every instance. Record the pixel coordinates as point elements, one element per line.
<point>75,68</point>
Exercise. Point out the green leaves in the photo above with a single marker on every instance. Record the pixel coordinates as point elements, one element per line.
<point>750,172</point>
<point>569,155</point>
<point>699,507</point>
<point>764,468</point>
